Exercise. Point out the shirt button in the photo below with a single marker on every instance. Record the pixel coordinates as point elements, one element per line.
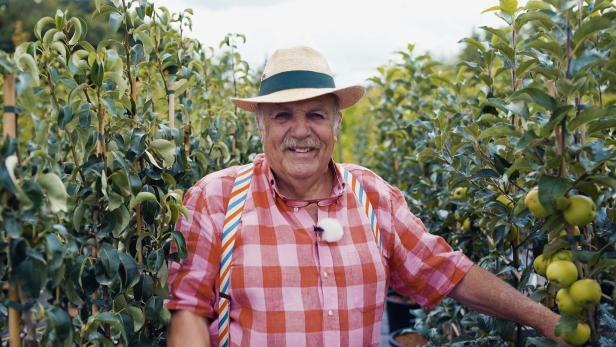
<point>330,313</point>
<point>325,274</point>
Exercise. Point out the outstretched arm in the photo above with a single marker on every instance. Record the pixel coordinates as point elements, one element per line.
<point>484,292</point>
<point>187,329</point>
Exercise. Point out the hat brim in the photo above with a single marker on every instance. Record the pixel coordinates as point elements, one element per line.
<point>347,97</point>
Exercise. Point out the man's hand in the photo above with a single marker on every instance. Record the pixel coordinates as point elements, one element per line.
<point>187,329</point>
<point>486,293</point>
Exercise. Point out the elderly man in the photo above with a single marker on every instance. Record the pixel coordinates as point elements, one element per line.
<point>295,249</point>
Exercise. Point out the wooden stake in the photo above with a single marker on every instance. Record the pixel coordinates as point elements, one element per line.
<point>171,97</point>
<point>133,99</point>
<point>14,318</point>
<point>10,130</point>
<point>100,143</point>
<point>10,121</point>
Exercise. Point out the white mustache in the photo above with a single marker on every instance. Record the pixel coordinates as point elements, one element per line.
<point>308,142</point>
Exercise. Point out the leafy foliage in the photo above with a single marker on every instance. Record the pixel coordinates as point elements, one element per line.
<point>110,137</point>
<point>533,105</point>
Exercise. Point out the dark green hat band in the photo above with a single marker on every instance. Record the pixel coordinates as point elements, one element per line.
<point>295,79</point>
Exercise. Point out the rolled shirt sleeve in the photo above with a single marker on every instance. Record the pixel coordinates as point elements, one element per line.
<point>192,281</point>
<point>422,265</point>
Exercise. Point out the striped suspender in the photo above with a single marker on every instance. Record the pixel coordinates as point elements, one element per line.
<point>232,223</point>
<point>362,197</point>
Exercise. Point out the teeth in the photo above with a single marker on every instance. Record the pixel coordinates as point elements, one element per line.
<point>301,150</point>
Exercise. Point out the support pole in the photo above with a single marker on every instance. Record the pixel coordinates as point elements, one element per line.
<point>10,130</point>
<point>171,97</point>
<point>10,120</point>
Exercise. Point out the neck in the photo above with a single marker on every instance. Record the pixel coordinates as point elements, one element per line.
<point>317,187</point>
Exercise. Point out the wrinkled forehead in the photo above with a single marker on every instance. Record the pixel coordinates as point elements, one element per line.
<point>324,102</point>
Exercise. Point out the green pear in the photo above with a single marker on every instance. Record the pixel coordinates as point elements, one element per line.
<point>585,292</point>
<point>581,210</point>
<point>540,264</point>
<point>531,201</point>
<point>579,336</point>
<point>563,254</point>
<point>565,303</point>
<point>562,273</point>
<point>460,192</point>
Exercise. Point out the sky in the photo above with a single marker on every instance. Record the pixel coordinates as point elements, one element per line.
<point>356,36</point>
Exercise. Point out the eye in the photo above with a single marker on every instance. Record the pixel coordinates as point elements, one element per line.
<point>316,115</point>
<point>281,116</point>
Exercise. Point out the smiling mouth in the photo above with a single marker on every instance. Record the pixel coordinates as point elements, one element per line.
<point>301,149</point>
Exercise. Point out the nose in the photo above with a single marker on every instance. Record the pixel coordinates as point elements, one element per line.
<point>300,127</point>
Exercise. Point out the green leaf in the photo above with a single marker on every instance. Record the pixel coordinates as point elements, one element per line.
<point>60,327</point>
<point>121,182</point>
<point>486,173</point>
<point>7,174</point>
<point>585,116</point>
<point>474,43</point>
<point>56,192</point>
<point>603,180</point>
<point>557,245</point>
<point>589,27</point>
<point>128,270</point>
<point>180,243</point>
<point>508,6</point>
<point>96,73</point>
<point>491,9</point>
<point>30,277</point>
<point>427,153</point>
<point>541,18</point>
<point>41,24</point>
<point>107,265</point>
<point>165,150</point>
<point>110,318</point>
<point>122,217</point>
<point>146,41</point>
<point>537,5</point>
<point>115,20</point>
<point>550,189</point>
<point>26,63</point>
<point>77,31</point>
<point>500,131</point>
<point>519,107</point>
<point>65,115</point>
<point>138,317</point>
<point>500,33</point>
<point>55,251</point>
<point>586,257</point>
<point>602,124</point>
<point>141,197</point>
<point>539,97</point>
<point>567,323</point>
<point>557,117</point>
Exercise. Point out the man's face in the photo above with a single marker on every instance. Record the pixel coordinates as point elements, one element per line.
<point>299,137</point>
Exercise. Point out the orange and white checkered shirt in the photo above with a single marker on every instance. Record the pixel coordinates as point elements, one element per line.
<point>290,288</point>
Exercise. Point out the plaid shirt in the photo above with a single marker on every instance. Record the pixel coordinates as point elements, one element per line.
<point>290,288</point>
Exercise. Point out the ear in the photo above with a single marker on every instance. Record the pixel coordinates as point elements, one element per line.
<point>337,125</point>
<point>260,123</point>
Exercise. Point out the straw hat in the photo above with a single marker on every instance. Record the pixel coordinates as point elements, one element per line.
<point>298,73</point>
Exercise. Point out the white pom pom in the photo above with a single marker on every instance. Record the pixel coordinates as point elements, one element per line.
<point>332,229</point>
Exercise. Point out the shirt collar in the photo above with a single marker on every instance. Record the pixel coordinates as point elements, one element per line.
<point>338,185</point>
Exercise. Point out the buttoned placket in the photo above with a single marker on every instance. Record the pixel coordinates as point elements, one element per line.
<point>327,281</point>
<point>328,291</point>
